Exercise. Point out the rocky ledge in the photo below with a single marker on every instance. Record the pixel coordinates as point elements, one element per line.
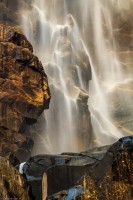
<point>99,174</point>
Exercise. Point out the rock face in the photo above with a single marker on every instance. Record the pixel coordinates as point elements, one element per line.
<point>24,92</point>
<point>16,143</point>
<point>102,173</point>
<point>12,185</point>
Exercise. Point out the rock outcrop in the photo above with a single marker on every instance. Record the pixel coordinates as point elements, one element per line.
<point>101,173</point>
<point>12,184</point>
<point>24,92</point>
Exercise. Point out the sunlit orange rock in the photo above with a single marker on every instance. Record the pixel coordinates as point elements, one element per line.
<point>24,91</point>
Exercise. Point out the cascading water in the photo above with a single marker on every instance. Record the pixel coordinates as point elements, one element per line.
<point>56,40</point>
<point>67,52</point>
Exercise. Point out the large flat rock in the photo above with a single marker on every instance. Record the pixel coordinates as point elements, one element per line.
<point>101,173</point>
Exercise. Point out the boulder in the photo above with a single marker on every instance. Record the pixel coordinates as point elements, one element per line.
<point>36,166</point>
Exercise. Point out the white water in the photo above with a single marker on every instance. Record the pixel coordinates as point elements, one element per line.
<point>57,39</point>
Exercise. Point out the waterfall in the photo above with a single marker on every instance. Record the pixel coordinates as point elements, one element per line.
<point>69,37</point>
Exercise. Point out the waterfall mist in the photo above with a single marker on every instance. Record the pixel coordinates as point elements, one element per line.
<point>75,41</point>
